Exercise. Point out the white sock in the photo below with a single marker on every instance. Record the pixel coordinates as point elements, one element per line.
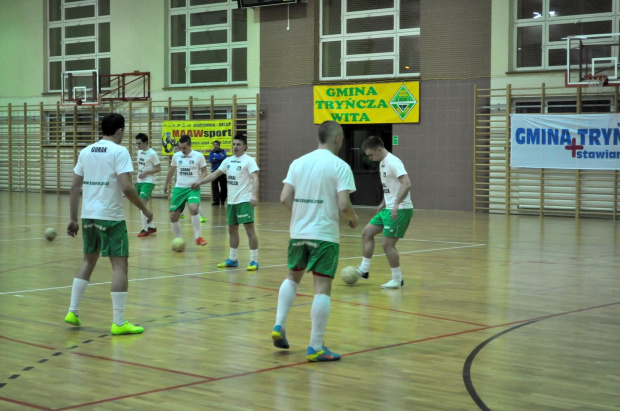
<point>254,255</point>
<point>196,226</point>
<point>200,211</point>
<point>319,315</point>
<point>144,221</point>
<point>118,307</point>
<point>286,296</point>
<point>77,291</point>
<point>365,266</point>
<point>233,254</point>
<point>396,274</point>
<point>176,229</point>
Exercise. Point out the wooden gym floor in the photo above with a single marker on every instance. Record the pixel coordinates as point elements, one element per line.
<point>507,313</point>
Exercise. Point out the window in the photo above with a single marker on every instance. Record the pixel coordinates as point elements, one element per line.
<point>541,27</point>
<point>64,129</point>
<point>207,43</point>
<point>78,34</point>
<point>369,39</point>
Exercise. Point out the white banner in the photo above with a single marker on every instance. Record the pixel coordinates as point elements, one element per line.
<point>582,141</point>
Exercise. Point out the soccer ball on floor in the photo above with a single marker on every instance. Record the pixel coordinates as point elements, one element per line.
<point>50,234</point>
<point>178,245</point>
<point>349,275</point>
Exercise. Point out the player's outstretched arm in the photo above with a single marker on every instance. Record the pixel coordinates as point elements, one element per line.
<point>171,171</point>
<point>287,196</point>
<point>204,178</point>
<point>124,181</point>
<point>346,208</point>
<point>74,203</point>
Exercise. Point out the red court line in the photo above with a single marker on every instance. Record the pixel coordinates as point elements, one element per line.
<point>24,403</point>
<point>344,355</point>
<point>27,343</point>
<point>143,366</point>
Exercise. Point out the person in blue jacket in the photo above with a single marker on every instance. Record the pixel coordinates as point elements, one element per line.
<point>218,186</point>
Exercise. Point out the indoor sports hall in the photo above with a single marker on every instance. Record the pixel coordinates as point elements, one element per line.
<point>504,114</point>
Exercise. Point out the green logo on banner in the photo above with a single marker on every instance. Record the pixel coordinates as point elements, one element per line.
<point>403,102</point>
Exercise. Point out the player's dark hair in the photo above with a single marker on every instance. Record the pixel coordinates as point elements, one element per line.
<point>241,137</point>
<point>372,143</point>
<point>328,131</point>
<point>110,123</point>
<point>142,137</point>
<point>185,139</point>
<point>217,141</point>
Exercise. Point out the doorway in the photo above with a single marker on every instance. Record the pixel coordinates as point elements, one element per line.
<point>365,172</point>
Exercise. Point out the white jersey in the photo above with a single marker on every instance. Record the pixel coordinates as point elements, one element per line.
<point>147,160</point>
<point>317,178</point>
<point>392,168</point>
<point>100,164</point>
<point>239,181</point>
<point>188,167</point>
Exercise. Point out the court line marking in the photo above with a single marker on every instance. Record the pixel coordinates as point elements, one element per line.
<point>344,355</point>
<point>225,271</point>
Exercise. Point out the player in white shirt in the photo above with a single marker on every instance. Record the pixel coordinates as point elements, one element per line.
<point>189,167</point>
<point>316,188</point>
<point>148,168</point>
<point>242,181</point>
<point>393,214</point>
<point>103,173</point>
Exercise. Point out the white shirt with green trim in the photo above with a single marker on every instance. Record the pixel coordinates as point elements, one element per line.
<point>317,178</point>
<point>147,160</point>
<point>188,167</point>
<point>238,172</point>
<point>100,164</point>
<point>391,168</point>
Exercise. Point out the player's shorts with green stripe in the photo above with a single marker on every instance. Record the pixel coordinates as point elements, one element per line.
<point>320,257</point>
<point>145,190</point>
<point>182,195</point>
<point>242,213</point>
<point>391,228</point>
<point>106,237</point>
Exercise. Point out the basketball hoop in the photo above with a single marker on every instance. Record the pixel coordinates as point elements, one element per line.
<point>596,83</point>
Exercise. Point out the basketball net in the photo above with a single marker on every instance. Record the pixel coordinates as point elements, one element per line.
<point>596,83</point>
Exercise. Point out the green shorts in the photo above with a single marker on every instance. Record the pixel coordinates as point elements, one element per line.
<point>242,213</point>
<point>391,229</point>
<point>145,189</point>
<point>320,257</point>
<point>106,237</point>
<point>182,195</point>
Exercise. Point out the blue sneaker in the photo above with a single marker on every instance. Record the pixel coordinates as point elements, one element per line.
<point>253,266</point>
<point>323,355</point>
<point>279,337</point>
<point>228,263</point>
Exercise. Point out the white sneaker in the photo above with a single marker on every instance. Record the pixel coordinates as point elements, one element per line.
<point>394,284</point>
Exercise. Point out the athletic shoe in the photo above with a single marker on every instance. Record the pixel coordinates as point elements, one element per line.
<point>394,284</point>
<point>143,233</point>
<point>323,355</point>
<point>201,241</point>
<point>279,337</point>
<point>363,275</point>
<point>253,266</point>
<point>215,204</point>
<point>202,219</point>
<point>151,230</point>
<point>182,216</point>
<point>228,263</point>
<point>126,328</point>
<point>72,319</point>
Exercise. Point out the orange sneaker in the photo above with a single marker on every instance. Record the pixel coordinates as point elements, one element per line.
<point>143,233</point>
<point>201,241</point>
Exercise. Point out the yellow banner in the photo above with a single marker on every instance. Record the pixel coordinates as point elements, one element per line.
<point>368,103</point>
<point>202,132</point>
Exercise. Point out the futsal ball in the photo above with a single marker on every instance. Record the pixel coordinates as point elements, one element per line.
<point>349,275</point>
<point>178,245</point>
<point>50,234</point>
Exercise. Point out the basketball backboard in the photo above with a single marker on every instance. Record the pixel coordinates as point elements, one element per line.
<point>80,88</point>
<point>593,60</point>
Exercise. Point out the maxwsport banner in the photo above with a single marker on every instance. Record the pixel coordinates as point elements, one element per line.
<point>368,103</point>
<point>583,141</point>
<point>202,133</point>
